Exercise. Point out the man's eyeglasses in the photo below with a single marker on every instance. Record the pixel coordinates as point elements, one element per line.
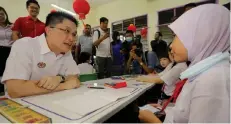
<point>66,31</point>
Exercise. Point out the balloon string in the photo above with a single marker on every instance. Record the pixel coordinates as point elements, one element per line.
<point>83,23</point>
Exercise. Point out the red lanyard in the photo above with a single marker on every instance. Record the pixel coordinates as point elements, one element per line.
<point>179,86</point>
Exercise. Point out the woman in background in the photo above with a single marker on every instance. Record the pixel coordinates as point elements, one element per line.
<point>5,39</point>
<point>117,63</point>
<point>205,97</point>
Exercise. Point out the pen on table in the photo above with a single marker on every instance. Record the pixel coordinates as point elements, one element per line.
<point>96,87</point>
<point>138,84</point>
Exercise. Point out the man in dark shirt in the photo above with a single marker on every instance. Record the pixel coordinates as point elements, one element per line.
<point>158,45</point>
<point>126,45</point>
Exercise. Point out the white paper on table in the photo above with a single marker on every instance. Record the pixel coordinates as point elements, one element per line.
<point>82,104</point>
<point>92,100</point>
<point>150,108</point>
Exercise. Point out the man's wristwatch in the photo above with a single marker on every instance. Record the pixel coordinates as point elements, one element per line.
<point>62,78</point>
<point>141,63</point>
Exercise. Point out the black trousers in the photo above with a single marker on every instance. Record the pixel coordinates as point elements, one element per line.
<point>4,53</point>
<point>104,67</point>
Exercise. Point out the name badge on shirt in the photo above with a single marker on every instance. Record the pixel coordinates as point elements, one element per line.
<point>41,65</point>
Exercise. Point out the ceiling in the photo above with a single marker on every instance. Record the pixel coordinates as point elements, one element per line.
<point>68,3</point>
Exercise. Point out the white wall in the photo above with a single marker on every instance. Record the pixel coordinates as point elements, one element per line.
<point>114,11</point>
<point>124,9</point>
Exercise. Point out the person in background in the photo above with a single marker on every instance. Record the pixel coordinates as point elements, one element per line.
<point>126,47</point>
<point>158,45</point>
<point>5,42</point>
<point>169,76</point>
<point>149,69</point>
<point>165,61</point>
<point>29,26</point>
<point>138,42</point>
<point>117,64</point>
<point>166,80</point>
<point>205,95</point>
<point>85,42</point>
<point>159,48</point>
<point>189,6</point>
<point>133,65</point>
<point>85,67</point>
<point>43,64</point>
<point>5,38</point>
<point>102,42</point>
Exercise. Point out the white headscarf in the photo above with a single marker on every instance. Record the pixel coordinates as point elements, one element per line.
<point>204,31</point>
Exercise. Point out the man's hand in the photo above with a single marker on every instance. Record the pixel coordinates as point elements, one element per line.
<point>142,79</point>
<point>105,36</point>
<point>139,59</point>
<point>148,117</point>
<point>132,53</point>
<point>49,83</point>
<point>71,84</point>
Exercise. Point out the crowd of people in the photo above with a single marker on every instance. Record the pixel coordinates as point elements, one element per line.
<point>192,71</point>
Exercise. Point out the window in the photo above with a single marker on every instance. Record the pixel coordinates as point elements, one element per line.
<point>140,22</point>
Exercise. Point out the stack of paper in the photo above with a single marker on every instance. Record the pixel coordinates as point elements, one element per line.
<point>92,100</point>
<point>74,104</point>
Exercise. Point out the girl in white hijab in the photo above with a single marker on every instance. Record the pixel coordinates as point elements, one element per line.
<point>202,37</point>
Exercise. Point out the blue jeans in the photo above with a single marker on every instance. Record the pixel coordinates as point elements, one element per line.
<point>153,60</point>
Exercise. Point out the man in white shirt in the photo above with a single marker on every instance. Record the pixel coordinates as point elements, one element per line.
<point>84,42</point>
<point>102,42</point>
<point>43,64</point>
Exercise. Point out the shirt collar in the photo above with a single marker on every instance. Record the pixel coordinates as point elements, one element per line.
<point>100,30</point>
<point>30,18</point>
<point>7,26</point>
<point>43,44</point>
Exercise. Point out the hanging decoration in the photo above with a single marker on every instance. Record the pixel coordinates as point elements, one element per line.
<point>144,32</point>
<point>53,10</point>
<point>82,8</point>
<point>132,28</point>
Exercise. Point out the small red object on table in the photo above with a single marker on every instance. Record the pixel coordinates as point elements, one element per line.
<point>116,85</point>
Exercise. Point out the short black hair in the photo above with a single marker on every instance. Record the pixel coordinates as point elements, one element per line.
<point>55,18</point>
<point>190,5</point>
<point>84,57</point>
<point>129,32</point>
<point>164,56</point>
<point>115,34</point>
<point>32,1</point>
<point>160,34</point>
<point>169,47</point>
<point>87,25</point>
<point>103,19</point>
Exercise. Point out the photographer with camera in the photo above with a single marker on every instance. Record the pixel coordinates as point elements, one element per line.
<point>102,42</point>
<point>135,56</point>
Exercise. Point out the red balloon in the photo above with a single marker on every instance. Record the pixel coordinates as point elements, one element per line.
<point>82,8</point>
<point>144,32</point>
<point>53,10</point>
<point>132,28</point>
